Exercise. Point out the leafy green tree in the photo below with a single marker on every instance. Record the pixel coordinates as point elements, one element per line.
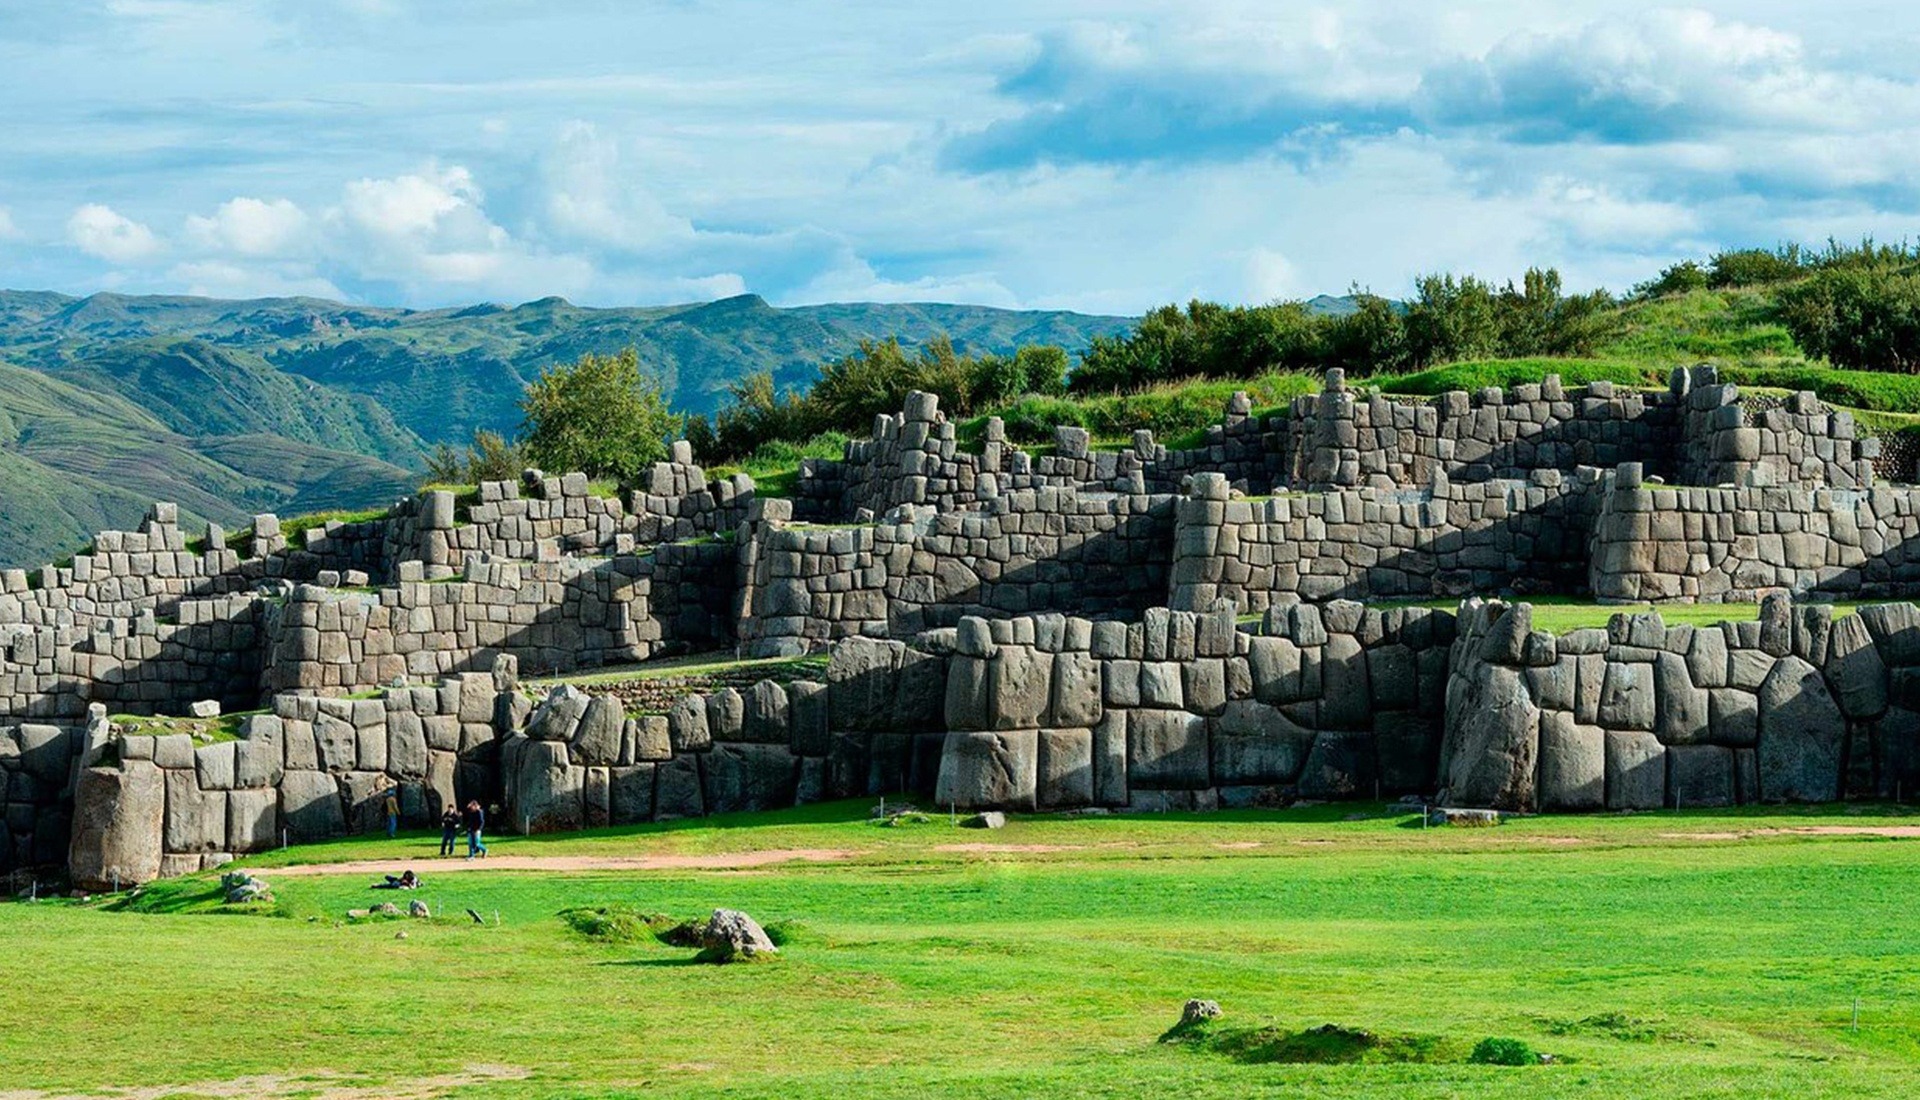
<point>1451,319</point>
<point>1681,278</point>
<point>487,458</point>
<point>1756,266</point>
<point>1859,318</point>
<point>599,415</point>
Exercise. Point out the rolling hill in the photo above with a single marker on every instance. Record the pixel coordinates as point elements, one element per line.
<point>111,401</point>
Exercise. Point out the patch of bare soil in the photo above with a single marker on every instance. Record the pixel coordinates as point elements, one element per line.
<point>322,1085</point>
<point>1897,831</point>
<point>1007,848</point>
<point>725,861</point>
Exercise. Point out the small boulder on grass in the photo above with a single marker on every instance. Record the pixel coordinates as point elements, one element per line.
<point>732,936</point>
<point>990,819</point>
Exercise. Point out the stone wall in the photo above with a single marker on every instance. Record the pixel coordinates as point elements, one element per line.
<point>1725,544</point>
<point>1341,438</point>
<point>1794,707</point>
<point>872,727</point>
<point>1184,711</point>
<point>552,616</point>
<point>1028,550</point>
<point>1798,440</point>
<point>152,807</point>
<point>37,768</point>
<point>141,664</point>
<point>1448,540</point>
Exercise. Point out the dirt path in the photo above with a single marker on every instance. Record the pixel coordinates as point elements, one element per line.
<point>322,1085</point>
<point>1900,831</point>
<point>725,861</point>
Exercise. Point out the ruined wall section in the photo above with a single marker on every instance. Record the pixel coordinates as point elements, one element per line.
<point>309,769</point>
<point>1663,543</point>
<point>1447,540</point>
<point>1183,711</point>
<point>1029,550</point>
<point>552,616</point>
<point>1796,706</point>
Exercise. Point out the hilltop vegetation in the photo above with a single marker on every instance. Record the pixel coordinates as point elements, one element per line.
<point>1843,321</point>
<point>298,404</point>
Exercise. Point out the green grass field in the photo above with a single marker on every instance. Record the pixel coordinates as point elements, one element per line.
<point>1654,955</point>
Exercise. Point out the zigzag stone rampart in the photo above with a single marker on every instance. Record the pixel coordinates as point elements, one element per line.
<point>1142,628</point>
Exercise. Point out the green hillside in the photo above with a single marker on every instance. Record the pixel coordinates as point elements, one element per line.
<point>76,458</point>
<point>299,404</point>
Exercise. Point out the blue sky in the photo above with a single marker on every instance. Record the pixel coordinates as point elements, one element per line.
<point>1104,157</point>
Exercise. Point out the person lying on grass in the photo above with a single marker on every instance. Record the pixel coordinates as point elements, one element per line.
<point>405,880</point>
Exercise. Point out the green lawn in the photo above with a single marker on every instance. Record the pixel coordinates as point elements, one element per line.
<point>1559,614</point>
<point>1650,955</point>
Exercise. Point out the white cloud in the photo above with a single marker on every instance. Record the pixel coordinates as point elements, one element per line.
<point>8,231</point>
<point>221,279</point>
<point>102,232</point>
<point>251,227</point>
<point>593,198</point>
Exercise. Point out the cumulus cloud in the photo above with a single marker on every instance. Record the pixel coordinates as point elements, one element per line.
<point>251,227</point>
<point>104,233</point>
<point>1661,76</point>
<point>595,198</point>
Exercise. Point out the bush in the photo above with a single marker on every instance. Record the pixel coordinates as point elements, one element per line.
<point>1862,318</point>
<point>1684,277</point>
<point>598,415</point>
<point>1756,266</point>
<point>487,458</point>
<point>1503,1052</point>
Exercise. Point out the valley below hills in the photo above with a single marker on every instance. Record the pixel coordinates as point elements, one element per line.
<point>294,405</point>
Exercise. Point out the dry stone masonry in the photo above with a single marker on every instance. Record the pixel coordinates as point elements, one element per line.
<point>1140,628</point>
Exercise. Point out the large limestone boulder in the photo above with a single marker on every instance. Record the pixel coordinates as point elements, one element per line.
<point>1021,687</point>
<point>1636,771</point>
<point>1167,750</point>
<point>1496,741</point>
<point>1699,775</point>
<point>596,740</point>
<point>1573,764</point>
<point>196,818</point>
<point>558,715</point>
<point>747,776</point>
<point>730,935</point>
<point>1254,744</point>
<point>1801,732</point>
<point>989,771</point>
<point>1065,768</point>
<point>1340,765</point>
<point>310,806</point>
<point>1855,670</point>
<point>549,790</point>
<point>118,816</point>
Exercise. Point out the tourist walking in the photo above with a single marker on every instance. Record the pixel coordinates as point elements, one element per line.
<point>393,812</point>
<point>476,823</point>
<point>449,829</point>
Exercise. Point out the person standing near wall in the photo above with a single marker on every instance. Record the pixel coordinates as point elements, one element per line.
<point>476,820</point>
<point>449,829</point>
<point>392,806</point>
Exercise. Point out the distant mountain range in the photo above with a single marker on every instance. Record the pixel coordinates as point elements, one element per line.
<point>295,405</point>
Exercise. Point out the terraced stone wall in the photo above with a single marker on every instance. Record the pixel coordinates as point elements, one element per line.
<point>37,772</point>
<point>1795,707</point>
<point>1184,711</point>
<point>141,664</point>
<point>1724,544</point>
<point>1449,539</point>
<point>552,616</point>
<point>1029,550</point>
<point>311,768</point>
<point>582,760</point>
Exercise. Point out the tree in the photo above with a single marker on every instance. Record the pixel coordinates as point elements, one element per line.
<point>487,458</point>
<point>1857,318</point>
<point>598,415</point>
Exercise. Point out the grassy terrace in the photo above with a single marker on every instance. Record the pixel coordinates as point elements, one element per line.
<point>1655,955</point>
<point>692,665</point>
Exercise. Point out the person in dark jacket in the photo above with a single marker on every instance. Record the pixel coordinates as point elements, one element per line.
<point>449,829</point>
<point>476,821</point>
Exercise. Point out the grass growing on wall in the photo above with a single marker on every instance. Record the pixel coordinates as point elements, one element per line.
<point>1655,956</point>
